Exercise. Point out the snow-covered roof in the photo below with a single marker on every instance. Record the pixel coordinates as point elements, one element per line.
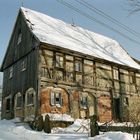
<point>56,32</point>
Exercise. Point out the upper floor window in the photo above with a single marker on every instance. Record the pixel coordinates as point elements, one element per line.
<point>116,74</point>
<point>19,37</point>
<point>132,77</point>
<point>23,65</point>
<point>59,61</point>
<point>11,72</point>
<point>78,65</point>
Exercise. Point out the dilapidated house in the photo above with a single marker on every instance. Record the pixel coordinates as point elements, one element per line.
<point>54,67</point>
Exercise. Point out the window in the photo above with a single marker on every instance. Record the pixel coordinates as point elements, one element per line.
<point>126,102</point>
<point>116,74</point>
<point>78,66</point>
<point>132,77</point>
<point>18,100</point>
<point>56,99</point>
<point>84,101</point>
<point>59,61</point>
<point>30,98</point>
<point>23,65</point>
<point>11,72</point>
<point>7,104</point>
<point>19,38</point>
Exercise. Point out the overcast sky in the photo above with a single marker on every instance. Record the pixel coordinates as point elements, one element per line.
<point>117,9</point>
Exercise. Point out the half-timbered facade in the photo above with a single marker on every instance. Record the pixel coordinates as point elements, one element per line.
<point>54,67</point>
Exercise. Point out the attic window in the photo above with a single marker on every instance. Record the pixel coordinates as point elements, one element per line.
<point>23,65</point>
<point>19,38</point>
<point>11,72</point>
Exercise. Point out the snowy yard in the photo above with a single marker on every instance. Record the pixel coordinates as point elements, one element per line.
<point>17,131</point>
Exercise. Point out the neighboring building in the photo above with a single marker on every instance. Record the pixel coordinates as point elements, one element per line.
<point>54,67</point>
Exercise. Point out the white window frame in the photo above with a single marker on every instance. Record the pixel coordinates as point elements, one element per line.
<point>54,96</point>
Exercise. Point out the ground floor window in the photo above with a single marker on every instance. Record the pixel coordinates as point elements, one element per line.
<point>84,102</point>
<point>30,97</point>
<point>8,104</point>
<point>18,100</point>
<point>56,99</point>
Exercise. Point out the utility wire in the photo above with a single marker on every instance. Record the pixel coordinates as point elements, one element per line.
<point>96,20</point>
<point>113,20</point>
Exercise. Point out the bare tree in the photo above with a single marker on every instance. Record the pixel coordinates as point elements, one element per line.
<point>134,112</point>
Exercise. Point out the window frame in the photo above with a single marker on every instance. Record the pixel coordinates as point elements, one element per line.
<point>17,104</point>
<point>11,72</point>
<point>54,95</point>
<point>58,60</point>
<point>78,65</point>
<point>84,102</point>
<point>29,92</point>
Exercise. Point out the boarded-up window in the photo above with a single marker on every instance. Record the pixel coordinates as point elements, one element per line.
<point>56,99</point>
<point>84,102</point>
<point>59,61</point>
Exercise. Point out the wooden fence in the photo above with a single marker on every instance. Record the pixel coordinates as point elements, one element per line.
<point>135,130</point>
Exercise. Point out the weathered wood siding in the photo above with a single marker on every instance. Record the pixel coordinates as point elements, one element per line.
<point>18,56</point>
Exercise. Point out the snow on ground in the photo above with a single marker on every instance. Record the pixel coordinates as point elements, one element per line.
<point>13,130</point>
<point>18,131</point>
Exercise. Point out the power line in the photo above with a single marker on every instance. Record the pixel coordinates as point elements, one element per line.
<point>96,20</point>
<point>103,14</point>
